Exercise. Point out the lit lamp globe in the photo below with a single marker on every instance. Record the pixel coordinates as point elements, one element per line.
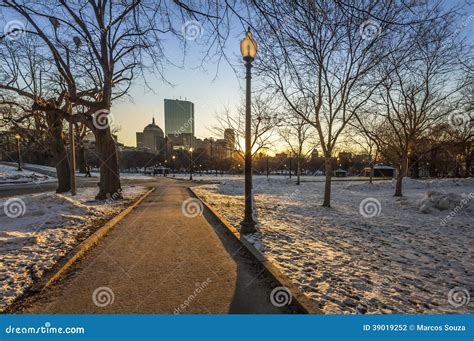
<point>248,47</point>
<point>17,136</point>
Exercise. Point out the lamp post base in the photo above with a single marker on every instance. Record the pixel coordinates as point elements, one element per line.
<point>247,226</point>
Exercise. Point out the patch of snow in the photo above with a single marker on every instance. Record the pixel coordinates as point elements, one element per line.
<point>36,230</point>
<point>395,260</point>
<point>440,201</point>
<point>10,175</point>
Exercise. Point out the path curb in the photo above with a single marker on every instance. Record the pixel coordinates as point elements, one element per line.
<point>72,256</point>
<point>303,302</point>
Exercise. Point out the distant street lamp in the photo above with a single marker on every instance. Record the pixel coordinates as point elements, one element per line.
<point>174,165</point>
<point>191,167</point>
<point>248,48</point>
<point>18,137</point>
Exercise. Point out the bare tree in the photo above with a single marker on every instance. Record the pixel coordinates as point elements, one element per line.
<point>265,120</point>
<point>99,48</point>
<point>357,137</point>
<point>419,90</point>
<point>298,136</point>
<point>326,55</point>
<point>27,78</point>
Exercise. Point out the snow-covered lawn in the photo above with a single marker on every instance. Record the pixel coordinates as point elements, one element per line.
<point>225,177</point>
<point>10,175</point>
<point>36,230</point>
<point>370,252</point>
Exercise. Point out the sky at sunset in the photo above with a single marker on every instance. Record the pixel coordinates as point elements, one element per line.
<point>210,89</point>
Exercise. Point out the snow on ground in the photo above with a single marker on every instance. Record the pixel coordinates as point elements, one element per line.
<point>10,175</point>
<point>304,178</point>
<point>370,252</point>
<point>36,230</point>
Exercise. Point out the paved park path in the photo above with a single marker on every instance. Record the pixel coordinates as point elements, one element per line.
<point>157,260</point>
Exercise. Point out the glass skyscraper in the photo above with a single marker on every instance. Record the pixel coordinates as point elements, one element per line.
<point>179,118</point>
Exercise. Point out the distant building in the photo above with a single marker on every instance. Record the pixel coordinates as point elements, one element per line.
<point>151,138</point>
<point>281,156</point>
<point>381,171</point>
<point>7,144</point>
<point>179,123</point>
<point>340,173</point>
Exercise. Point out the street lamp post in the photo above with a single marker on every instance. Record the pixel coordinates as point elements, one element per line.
<point>248,48</point>
<point>191,166</point>
<point>72,160</point>
<point>18,154</point>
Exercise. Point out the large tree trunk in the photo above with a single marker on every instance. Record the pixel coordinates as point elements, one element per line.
<point>371,172</point>
<point>327,186</point>
<point>55,125</point>
<point>81,158</point>
<point>400,174</point>
<point>415,167</point>
<point>109,185</point>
